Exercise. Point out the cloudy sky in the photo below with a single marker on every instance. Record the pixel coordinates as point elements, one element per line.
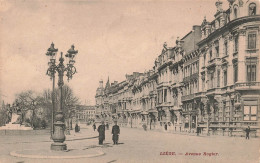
<point>113,37</point>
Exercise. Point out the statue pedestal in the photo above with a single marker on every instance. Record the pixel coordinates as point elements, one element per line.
<point>11,126</point>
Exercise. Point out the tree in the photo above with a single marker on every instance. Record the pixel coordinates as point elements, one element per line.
<point>69,102</point>
<point>3,115</point>
<point>30,101</point>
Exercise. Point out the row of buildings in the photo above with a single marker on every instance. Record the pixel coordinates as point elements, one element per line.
<point>208,81</point>
<point>84,114</point>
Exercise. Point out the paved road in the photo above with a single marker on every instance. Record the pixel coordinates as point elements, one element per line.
<point>141,146</point>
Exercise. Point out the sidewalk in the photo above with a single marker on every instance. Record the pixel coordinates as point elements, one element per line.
<point>85,133</point>
<point>188,133</point>
<point>79,145</point>
<point>46,137</point>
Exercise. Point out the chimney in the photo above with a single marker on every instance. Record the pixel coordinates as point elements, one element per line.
<point>219,5</point>
<point>101,84</point>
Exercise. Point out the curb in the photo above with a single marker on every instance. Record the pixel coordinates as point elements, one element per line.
<point>46,141</point>
<point>16,154</point>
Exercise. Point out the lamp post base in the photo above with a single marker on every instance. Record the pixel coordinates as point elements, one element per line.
<point>58,146</point>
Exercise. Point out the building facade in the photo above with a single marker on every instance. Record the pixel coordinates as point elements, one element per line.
<point>84,113</point>
<point>209,81</point>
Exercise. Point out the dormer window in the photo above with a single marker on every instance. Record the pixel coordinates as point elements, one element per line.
<point>225,48</point>
<point>217,49</point>
<point>210,54</point>
<point>235,12</point>
<point>252,9</point>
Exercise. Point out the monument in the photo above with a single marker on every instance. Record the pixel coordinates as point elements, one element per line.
<point>15,122</point>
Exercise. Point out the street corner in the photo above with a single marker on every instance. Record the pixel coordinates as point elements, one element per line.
<point>50,154</point>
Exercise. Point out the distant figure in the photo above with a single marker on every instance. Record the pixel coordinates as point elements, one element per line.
<point>101,130</point>
<point>247,132</point>
<point>94,127</point>
<point>165,126</point>
<point>76,128</point>
<point>115,132</point>
<point>198,130</point>
<point>107,126</point>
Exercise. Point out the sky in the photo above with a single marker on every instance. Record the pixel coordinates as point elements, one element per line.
<point>113,37</point>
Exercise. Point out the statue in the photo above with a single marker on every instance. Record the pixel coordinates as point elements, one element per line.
<point>9,114</point>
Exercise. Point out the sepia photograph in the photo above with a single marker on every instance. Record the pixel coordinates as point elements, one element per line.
<point>129,81</point>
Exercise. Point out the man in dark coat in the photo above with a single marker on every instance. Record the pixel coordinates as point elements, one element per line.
<point>101,130</point>
<point>94,127</point>
<point>247,132</point>
<point>76,127</point>
<point>198,130</point>
<point>115,132</point>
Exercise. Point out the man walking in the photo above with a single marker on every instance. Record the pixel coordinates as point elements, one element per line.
<point>94,127</point>
<point>115,132</point>
<point>101,131</point>
<point>247,132</point>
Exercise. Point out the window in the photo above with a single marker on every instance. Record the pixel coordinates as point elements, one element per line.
<point>225,48</point>
<point>251,72</point>
<point>203,85</point>
<point>217,51</point>
<point>212,80</point>
<point>224,111</point>
<point>236,44</point>
<point>165,95</point>
<point>225,77</point>
<point>210,54</point>
<point>235,12</point>
<point>235,73</point>
<point>250,113</point>
<point>204,62</point>
<point>252,41</point>
<point>252,9</point>
<point>218,78</point>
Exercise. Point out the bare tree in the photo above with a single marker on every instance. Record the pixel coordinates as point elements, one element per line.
<point>69,102</point>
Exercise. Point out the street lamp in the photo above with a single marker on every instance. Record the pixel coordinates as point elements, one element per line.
<point>58,135</point>
<point>51,52</point>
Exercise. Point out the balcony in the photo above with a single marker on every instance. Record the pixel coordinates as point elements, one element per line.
<point>192,77</point>
<point>213,62</point>
<point>163,84</point>
<point>187,97</point>
<point>213,91</point>
<point>247,86</point>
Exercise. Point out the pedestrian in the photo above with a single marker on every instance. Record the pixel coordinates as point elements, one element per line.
<point>165,126</point>
<point>247,132</point>
<point>198,130</point>
<point>101,131</point>
<point>115,132</point>
<point>76,127</point>
<point>94,126</point>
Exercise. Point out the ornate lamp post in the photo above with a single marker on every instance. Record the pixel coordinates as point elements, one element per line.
<point>58,135</point>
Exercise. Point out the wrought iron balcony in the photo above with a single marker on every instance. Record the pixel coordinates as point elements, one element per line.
<point>187,97</point>
<point>247,86</point>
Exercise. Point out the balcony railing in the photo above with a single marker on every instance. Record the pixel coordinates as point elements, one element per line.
<point>247,85</point>
<point>191,77</point>
<point>187,97</point>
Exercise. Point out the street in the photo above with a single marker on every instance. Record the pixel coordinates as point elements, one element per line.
<point>136,145</point>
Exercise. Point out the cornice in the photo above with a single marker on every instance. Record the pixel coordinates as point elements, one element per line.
<point>229,26</point>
